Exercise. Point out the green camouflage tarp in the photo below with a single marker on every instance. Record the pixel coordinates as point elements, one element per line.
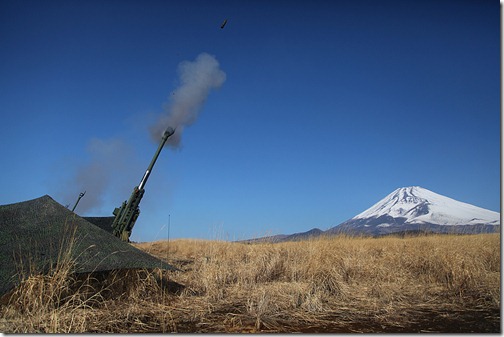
<point>34,232</point>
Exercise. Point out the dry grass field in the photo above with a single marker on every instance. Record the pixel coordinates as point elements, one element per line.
<point>438,283</point>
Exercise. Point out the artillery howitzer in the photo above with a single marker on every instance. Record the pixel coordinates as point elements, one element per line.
<point>127,214</point>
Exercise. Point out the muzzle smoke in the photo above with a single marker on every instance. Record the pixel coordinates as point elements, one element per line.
<point>197,79</point>
<point>110,165</point>
<point>103,172</point>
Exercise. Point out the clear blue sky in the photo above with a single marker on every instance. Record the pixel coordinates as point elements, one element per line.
<point>327,107</point>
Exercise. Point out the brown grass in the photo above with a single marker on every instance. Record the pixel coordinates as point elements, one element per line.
<point>441,283</point>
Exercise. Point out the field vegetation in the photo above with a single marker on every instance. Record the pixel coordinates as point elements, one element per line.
<point>435,283</point>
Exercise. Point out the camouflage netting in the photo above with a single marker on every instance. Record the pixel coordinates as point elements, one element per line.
<point>33,234</point>
<point>104,222</point>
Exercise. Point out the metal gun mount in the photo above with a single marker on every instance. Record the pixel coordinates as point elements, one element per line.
<point>127,214</point>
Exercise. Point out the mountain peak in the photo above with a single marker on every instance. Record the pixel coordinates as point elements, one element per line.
<point>413,194</point>
<point>412,200</point>
<point>410,209</point>
<point>415,205</point>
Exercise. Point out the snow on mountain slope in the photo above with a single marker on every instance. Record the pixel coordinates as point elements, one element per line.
<point>409,210</point>
<point>418,209</point>
<point>419,205</point>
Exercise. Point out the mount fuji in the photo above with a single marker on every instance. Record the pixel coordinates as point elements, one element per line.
<point>408,209</point>
<point>418,209</point>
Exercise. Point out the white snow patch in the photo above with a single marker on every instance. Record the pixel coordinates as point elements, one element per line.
<point>412,202</point>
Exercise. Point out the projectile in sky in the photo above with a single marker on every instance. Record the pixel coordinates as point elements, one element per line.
<point>223,23</point>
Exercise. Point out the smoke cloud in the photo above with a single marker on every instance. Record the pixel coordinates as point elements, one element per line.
<point>112,165</point>
<point>103,172</point>
<point>197,79</point>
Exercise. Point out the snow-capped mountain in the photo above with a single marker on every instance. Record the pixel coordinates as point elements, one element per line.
<point>406,210</point>
<point>416,208</point>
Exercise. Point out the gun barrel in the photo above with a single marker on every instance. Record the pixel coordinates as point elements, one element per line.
<point>80,196</point>
<point>126,215</point>
<point>169,131</point>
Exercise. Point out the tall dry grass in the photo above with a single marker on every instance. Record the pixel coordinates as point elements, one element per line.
<point>384,278</point>
<point>336,284</point>
<point>53,298</point>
